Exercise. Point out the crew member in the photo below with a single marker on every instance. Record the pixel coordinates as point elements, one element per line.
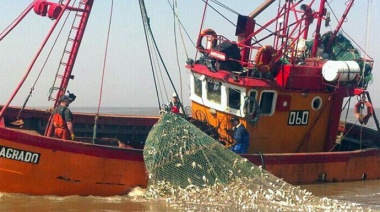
<point>241,137</point>
<point>63,118</point>
<point>175,105</point>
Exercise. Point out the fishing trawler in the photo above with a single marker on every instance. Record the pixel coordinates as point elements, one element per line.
<point>288,93</point>
<point>288,89</point>
<point>33,161</point>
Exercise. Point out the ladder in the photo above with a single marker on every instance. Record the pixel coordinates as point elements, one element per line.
<point>69,54</point>
<point>67,61</point>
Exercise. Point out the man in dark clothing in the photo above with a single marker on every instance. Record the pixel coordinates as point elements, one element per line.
<point>241,137</point>
<point>175,105</point>
<point>63,118</point>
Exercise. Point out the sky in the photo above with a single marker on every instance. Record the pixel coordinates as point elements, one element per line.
<point>128,80</point>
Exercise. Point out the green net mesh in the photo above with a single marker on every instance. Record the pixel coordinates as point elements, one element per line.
<point>190,149</point>
<point>343,50</point>
<point>193,170</point>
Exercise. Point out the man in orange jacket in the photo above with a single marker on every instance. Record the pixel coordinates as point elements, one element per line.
<point>63,118</point>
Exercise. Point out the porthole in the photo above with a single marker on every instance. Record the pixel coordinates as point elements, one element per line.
<point>316,103</point>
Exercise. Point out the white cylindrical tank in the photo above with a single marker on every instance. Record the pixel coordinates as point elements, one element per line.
<point>342,71</point>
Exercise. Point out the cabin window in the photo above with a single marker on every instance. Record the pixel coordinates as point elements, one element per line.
<point>267,102</point>
<point>214,91</point>
<point>316,103</point>
<point>234,98</point>
<point>252,102</point>
<point>198,87</point>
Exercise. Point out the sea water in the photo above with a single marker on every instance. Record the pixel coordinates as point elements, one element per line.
<point>366,194</point>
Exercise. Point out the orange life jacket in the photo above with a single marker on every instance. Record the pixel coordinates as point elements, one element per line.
<point>58,120</point>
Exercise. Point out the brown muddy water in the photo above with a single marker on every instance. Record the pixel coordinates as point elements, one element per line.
<point>366,193</point>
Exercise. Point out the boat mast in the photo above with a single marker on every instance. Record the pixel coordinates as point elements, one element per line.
<point>43,8</point>
<point>69,65</point>
<point>75,47</point>
<point>317,36</point>
<point>337,28</point>
<point>246,26</point>
<point>16,22</point>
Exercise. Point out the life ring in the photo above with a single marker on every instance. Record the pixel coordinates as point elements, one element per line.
<point>211,42</point>
<point>363,119</point>
<point>265,58</point>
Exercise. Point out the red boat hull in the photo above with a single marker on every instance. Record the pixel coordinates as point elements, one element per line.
<point>305,168</point>
<point>37,165</point>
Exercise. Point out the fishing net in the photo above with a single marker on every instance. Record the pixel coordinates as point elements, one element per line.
<point>343,50</point>
<point>195,172</point>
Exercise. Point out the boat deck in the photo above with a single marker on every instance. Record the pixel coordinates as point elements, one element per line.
<point>28,131</point>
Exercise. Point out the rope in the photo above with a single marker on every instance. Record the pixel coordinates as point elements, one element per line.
<point>223,6</point>
<point>23,106</point>
<point>12,24</point>
<point>176,48</point>
<point>41,70</point>
<point>32,63</point>
<point>346,106</point>
<point>367,34</point>
<point>202,22</point>
<point>183,28</point>
<point>63,53</point>
<point>231,22</point>
<point>145,20</point>
<point>103,71</point>
<point>347,35</point>
<point>161,84</point>
<point>148,31</point>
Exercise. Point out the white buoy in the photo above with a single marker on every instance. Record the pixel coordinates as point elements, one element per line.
<point>342,71</point>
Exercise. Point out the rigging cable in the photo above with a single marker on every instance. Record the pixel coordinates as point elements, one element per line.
<point>223,6</point>
<point>161,84</point>
<point>103,71</point>
<point>202,21</point>
<point>180,30</point>
<point>32,63</point>
<point>148,30</point>
<point>182,27</point>
<point>175,13</point>
<point>18,121</point>
<point>160,78</point>
<point>63,53</point>
<point>15,22</point>
<point>145,20</point>
<point>367,32</point>
<point>232,11</point>
<point>159,75</point>
<point>346,34</point>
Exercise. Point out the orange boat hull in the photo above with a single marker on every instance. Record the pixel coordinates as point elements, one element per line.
<point>72,168</point>
<point>38,165</point>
